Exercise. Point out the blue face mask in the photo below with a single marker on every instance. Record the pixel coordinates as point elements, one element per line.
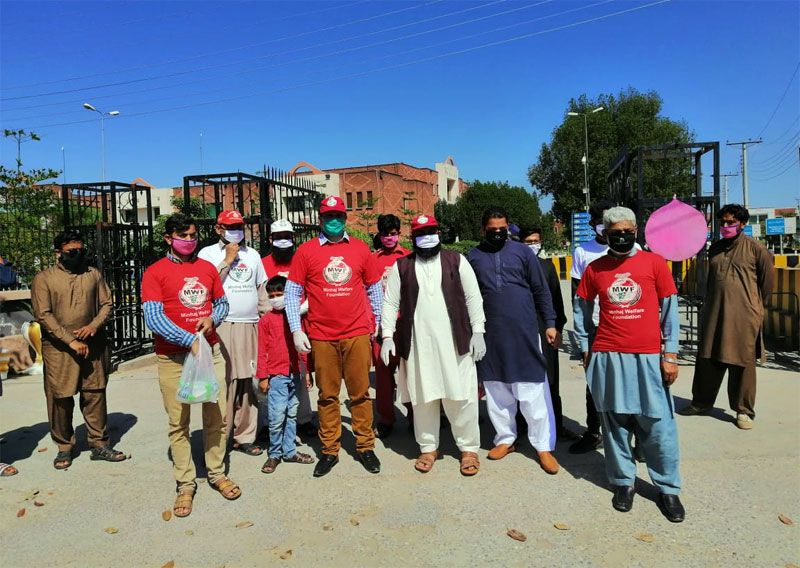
<point>333,227</point>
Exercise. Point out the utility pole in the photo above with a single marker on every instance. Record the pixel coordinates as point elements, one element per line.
<point>746,195</point>
<point>725,178</point>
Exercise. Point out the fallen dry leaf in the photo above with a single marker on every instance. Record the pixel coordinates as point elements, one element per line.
<point>354,522</point>
<point>244,525</point>
<point>644,537</point>
<point>111,530</point>
<point>166,515</point>
<point>41,450</point>
<point>170,564</point>
<point>38,504</point>
<point>791,566</point>
<point>129,456</point>
<point>516,535</point>
<point>785,520</point>
<point>327,527</point>
<point>188,533</point>
<point>31,495</point>
<point>561,527</point>
<point>21,512</point>
<point>51,493</point>
<point>286,555</point>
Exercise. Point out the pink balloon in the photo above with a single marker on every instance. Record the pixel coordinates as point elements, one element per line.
<point>676,231</point>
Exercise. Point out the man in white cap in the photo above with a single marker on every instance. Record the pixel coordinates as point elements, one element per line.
<point>439,338</point>
<point>243,280</point>
<point>277,263</point>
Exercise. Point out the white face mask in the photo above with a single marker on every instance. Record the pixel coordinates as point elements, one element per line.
<point>536,248</point>
<point>233,236</point>
<point>600,229</point>
<point>427,241</point>
<point>277,303</point>
<point>282,243</point>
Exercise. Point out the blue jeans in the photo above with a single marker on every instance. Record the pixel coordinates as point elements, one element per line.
<point>282,402</point>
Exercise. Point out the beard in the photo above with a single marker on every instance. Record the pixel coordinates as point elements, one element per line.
<point>282,255</point>
<point>427,253</point>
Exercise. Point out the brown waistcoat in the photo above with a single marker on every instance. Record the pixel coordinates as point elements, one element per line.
<point>454,298</point>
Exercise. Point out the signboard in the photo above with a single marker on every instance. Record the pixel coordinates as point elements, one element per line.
<point>755,230</point>
<point>748,230</point>
<point>789,225</point>
<point>582,231</point>
<point>776,226</point>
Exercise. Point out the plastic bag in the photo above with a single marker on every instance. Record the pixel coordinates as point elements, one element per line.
<point>198,382</point>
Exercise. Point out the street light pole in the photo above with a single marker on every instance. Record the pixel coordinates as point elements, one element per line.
<point>585,159</point>
<point>102,114</point>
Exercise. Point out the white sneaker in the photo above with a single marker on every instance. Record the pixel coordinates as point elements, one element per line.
<point>744,422</point>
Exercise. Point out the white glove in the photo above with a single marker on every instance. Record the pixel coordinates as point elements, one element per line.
<point>387,350</point>
<point>477,346</point>
<point>301,342</point>
<point>304,308</point>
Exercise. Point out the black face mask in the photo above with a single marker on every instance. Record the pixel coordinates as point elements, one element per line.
<point>428,252</point>
<point>621,243</point>
<point>496,239</point>
<point>75,260</point>
<point>282,254</point>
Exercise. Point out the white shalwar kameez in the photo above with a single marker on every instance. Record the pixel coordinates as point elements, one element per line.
<point>434,370</point>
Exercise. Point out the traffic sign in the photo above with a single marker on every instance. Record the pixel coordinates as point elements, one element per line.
<point>776,226</point>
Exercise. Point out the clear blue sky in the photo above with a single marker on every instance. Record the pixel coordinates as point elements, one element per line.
<point>340,83</point>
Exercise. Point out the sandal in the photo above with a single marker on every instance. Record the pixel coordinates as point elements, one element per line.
<point>469,464</point>
<point>299,458</point>
<point>7,470</point>
<point>224,483</point>
<point>106,453</point>
<point>270,465</point>
<point>63,458</point>
<point>183,501</point>
<point>249,449</point>
<point>426,460</point>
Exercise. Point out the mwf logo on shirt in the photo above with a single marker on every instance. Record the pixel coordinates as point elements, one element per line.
<point>624,291</point>
<point>337,272</point>
<point>240,272</point>
<point>193,294</point>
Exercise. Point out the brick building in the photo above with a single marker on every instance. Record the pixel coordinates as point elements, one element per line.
<point>386,188</point>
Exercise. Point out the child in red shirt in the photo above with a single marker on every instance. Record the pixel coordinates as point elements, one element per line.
<point>278,361</point>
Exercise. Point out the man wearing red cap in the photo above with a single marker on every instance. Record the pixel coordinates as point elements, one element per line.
<point>439,339</point>
<point>243,279</point>
<point>336,274</point>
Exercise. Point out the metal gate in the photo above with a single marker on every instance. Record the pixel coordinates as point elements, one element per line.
<point>121,250</point>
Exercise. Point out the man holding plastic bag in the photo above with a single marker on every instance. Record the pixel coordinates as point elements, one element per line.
<point>183,304</point>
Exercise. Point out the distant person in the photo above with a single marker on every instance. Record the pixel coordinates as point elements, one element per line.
<point>628,376</point>
<point>278,364</point>
<point>439,339</point>
<point>532,237</point>
<point>514,370</point>
<point>383,259</point>
<point>243,279</point>
<point>739,285</point>
<point>335,272</point>
<point>8,278</point>
<point>72,303</point>
<point>182,296</point>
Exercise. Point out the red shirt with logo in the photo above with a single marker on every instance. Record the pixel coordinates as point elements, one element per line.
<point>275,268</point>
<point>276,352</point>
<point>335,277</point>
<point>187,290</point>
<point>384,260</point>
<point>629,291</point>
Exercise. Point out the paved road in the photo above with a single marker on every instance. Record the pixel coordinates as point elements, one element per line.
<point>736,484</point>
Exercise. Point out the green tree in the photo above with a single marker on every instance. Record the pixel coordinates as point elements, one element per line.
<point>629,120</point>
<point>446,215</point>
<point>368,215</point>
<point>522,207</point>
<point>30,214</point>
<point>408,214</point>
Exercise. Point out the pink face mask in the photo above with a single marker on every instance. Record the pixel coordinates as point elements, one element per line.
<point>728,231</point>
<point>184,247</point>
<point>390,242</point>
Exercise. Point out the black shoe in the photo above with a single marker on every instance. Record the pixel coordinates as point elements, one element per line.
<point>564,434</point>
<point>307,430</point>
<point>671,507</point>
<point>370,461</point>
<point>587,443</point>
<point>325,464</point>
<point>383,430</point>
<point>638,452</point>
<point>623,498</point>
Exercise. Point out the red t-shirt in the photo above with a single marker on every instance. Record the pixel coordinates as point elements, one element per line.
<point>629,291</point>
<point>276,352</point>
<point>187,290</point>
<point>335,276</point>
<point>383,261</point>
<point>274,268</point>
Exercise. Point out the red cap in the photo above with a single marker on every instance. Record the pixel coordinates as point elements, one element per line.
<point>332,203</point>
<point>229,217</point>
<point>423,220</point>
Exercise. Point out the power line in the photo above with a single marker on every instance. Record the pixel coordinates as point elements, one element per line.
<point>796,69</point>
<point>379,69</point>
<point>778,156</point>
<point>779,174</point>
<point>780,139</point>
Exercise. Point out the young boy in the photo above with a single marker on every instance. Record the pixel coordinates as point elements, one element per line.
<point>277,362</point>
